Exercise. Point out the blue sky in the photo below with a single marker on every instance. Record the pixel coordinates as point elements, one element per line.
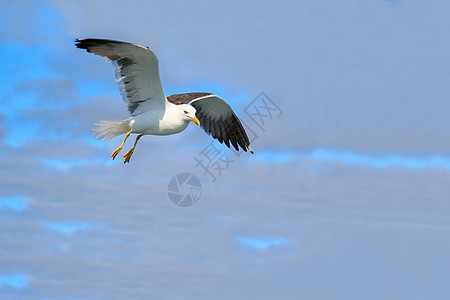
<point>15,281</point>
<point>377,161</point>
<point>345,197</point>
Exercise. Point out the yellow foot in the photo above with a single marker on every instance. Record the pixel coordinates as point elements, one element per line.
<point>128,155</point>
<point>114,154</point>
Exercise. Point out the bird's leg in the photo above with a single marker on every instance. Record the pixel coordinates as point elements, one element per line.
<point>114,154</point>
<point>130,152</point>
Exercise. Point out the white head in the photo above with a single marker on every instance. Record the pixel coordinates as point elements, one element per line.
<point>188,112</point>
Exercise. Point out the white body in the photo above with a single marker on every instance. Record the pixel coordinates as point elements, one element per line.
<point>159,120</point>
<point>152,123</point>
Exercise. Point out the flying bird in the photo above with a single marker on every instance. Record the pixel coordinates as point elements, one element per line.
<point>137,74</point>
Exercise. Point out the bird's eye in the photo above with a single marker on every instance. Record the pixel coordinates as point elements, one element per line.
<point>185,112</point>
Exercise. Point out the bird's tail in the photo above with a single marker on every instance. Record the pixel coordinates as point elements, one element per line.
<point>107,130</point>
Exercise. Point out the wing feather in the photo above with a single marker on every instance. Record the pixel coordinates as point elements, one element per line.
<point>216,118</point>
<point>136,69</point>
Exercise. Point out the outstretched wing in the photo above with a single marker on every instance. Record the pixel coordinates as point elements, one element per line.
<point>216,118</point>
<point>136,69</point>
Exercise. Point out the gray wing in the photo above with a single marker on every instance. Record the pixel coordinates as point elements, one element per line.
<point>216,118</point>
<point>137,72</point>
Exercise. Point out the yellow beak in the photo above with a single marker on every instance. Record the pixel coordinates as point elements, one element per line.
<point>195,120</point>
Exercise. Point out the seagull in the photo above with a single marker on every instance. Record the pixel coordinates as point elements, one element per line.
<point>137,75</point>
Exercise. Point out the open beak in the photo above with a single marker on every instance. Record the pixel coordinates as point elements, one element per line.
<point>195,120</point>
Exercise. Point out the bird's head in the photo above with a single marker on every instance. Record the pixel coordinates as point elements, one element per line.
<point>189,113</point>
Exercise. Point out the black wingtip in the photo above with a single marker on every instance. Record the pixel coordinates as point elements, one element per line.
<point>250,149</point>
<point>81,44</point>
<point>87,43</point>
